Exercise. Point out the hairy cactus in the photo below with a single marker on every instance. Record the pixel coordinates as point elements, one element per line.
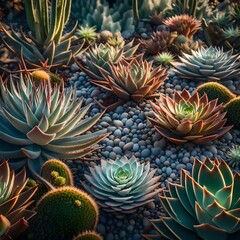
<point>88,235</point>
<point>215,90</point>
<point>57,173</point>
<point>233,112</point>
<point>62,214</point>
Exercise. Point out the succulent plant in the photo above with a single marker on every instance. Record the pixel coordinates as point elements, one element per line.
<point>232,35</point>
<point>116,40</point>
<point>233,156</point>
<point>88,235</point>
<point>104,36</point>
<point>133,79</point>
<point>123,185</point>
<point>160,41</point>
<point>42,123</point>
<point>46,45</point>
<point>197,8</point>
<point>215,90</point>
<point>233,112</point>
<point>183,24</point>
<point>57,173</point>
<point>188,118</point>
<point>164,58</point>
<point>100,57</point>
<point>156,18</point>
<point>98,13</point>
<point>87,34</point>
<point>204,205</point>
<point>208,64</point>
<point>14,201</point>
<point>67,212</point>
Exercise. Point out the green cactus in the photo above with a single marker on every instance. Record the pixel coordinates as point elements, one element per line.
<point>233,112</point>
<point>216,90</point>
<point>62,214</point>
<point>57,173</point>
<point>88,235</point>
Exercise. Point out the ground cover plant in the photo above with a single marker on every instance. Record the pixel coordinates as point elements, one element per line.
<point>119,119</point>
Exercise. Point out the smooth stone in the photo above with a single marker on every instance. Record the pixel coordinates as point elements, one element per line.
<point>145,153</point>
<point>117,123</point>
<point>129,123</point>
<point>117,133</point>
<point>117,150</point>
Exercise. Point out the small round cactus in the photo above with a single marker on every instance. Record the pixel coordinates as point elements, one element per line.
<point>215,90</point>
<point>40,75</point>
<point>57,173</point>
<point>233,156</point>
<point>233,112</point>
<point>104,36</point>
<point>89,235</point>
<point>62,214</point>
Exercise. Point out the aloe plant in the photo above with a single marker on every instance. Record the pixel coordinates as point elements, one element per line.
<point>46,45</point>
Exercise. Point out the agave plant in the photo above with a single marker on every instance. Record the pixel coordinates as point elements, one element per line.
<point>46,44</point>
<point>99,57</point>
<point>189,118</point>
<point>160,41</point>
<point>122,185</point>
<point>133,79</point>
<point>14,201</point>
<point>43,123</point>
<point>183,24</point>
<point>203,206</point>
<point>208,64</point>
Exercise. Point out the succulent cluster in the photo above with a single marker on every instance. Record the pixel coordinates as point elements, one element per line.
<point>189,118</point>
<point>133,79</point>
<point>42,123</point>
<point>204,205</point>
<point>122,185</point>
<point>46,45</point>
<point>14,201</point>
<point>100,56</point>
<point>208,64</point>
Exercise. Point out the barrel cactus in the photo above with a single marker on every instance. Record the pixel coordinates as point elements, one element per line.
<point>14,200</point>
<point>233,156</point>
<point>57,173</point>
<point>208,64</point>
<point>187,117</point>
<point>233,112</point>
<point>41,123</point>
<point>215,90</point>
<point>204,205</point>
<point>62,214</point>
<point>123,185</point>
<point>88,235</point>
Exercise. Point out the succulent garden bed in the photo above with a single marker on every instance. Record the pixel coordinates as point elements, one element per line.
<point>127,126</point>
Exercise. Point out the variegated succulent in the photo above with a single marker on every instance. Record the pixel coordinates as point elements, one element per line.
<point>204,205</point>
<point>208,64</point>
<point>101,55</point>
<point>46,45</point>
<point>123,185</point>
<point>189,118</point>
<point>133,79</point>
<point>183,24</point>
<point>43,123</point>
<point>14,201</point>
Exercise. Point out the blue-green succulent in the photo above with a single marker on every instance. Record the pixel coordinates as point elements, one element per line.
<point>123,185</point>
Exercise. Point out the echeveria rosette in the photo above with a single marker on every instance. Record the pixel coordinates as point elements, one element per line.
<point>205,205</point>
<point>189,118</point>
<point>123,185</point>
<point>14,200</point>
<point>43,123</point>
<point>208,64</point>
<point>133,79</point>
<point>100,55</point>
